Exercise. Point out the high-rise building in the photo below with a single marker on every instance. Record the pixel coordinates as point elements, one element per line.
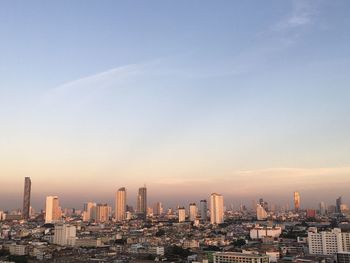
<point>261,213</point>
<point>193,211</point>
<point>64,235</point>
<point>53,210</point>
<point>203,208</point>
<point>264,204</point>
<point>102,213</point>
<point>120,204</point>
<point>26,198</point>
<point>157,209</point>
<point>182,214</point>
<point>296,201</point>
<point>323,208</point>
<point>142,202</point>
<point>89,213</point>
<point>328,242</point>
<point>338,204</point>
<point>216,208</point>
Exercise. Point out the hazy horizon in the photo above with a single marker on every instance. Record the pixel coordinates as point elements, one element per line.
<point>248,99</point>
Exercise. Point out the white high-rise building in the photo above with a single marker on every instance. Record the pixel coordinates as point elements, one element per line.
<point>193,211</point>
<point>216,208</point>
<point>53,210</point>
<point>64,235</point>
<point>120,205</point>
<point>261,214</point>
<point>328,242</point>
<point>182,214</point>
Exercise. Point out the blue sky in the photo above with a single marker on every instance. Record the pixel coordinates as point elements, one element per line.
<point>106,94</point>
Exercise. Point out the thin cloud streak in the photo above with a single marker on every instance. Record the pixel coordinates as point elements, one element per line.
<point>303,14</point>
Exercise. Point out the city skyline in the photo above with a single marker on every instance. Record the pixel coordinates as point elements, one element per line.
<point>246,99</point>
<point>176,200</point>
<point>217,207</point>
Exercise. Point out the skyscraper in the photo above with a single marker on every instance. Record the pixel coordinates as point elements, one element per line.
<point>203,207</point>
<point>102,213</point>
<point>157,209</point>
<point>296,201</point>
<point>182,214</point>
<point>323,208</point>
<point>216,208</point>
<point>338,204</point>
<point>26,197</point>
<point>193,211</point>
<point>89,211</point>
<point>53,210</point>
<point>261,213</point>
<point>120,204</point>
<point>142,202</point>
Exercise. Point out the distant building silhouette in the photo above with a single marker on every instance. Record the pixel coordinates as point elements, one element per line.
<point>26,198</point>
<point>203,208</point>
<point>142,203</point>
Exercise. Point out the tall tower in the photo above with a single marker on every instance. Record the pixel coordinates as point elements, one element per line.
<point>261,213</point>
<point>142,202</point>
<point>296,201</point>
<point>26,197</point>
<point>89,211</point>
<point>203,208</point>
<point>216,208</point>
<point>338,203</point>
<point>181,214</point>
<point>53,210</point>
<point>102,213</point>
<point>193,211</point>
<point>157,209</point>
<point>120,204</point>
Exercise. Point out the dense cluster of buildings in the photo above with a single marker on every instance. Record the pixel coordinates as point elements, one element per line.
<point>197,233</point>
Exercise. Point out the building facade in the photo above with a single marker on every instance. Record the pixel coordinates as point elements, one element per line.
<point>296,201</point>
<point>26,198</point>
<point>216,208</point>
<point>193,211</point>
<point>203,209</point>
<point>53,210</point>
<point>235,257</point>
<point>181,214</point>
<point>141,208</point>
<point>120,204</point>
<point>328,242</point>
<point>64,235</point>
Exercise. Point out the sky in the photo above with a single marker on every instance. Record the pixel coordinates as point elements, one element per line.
<point>248,99</point>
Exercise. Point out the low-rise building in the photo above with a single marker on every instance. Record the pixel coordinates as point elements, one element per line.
<point>235,257</point>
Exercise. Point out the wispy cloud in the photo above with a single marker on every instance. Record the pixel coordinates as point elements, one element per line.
<point>302,14</point>
<point>84,87</point>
